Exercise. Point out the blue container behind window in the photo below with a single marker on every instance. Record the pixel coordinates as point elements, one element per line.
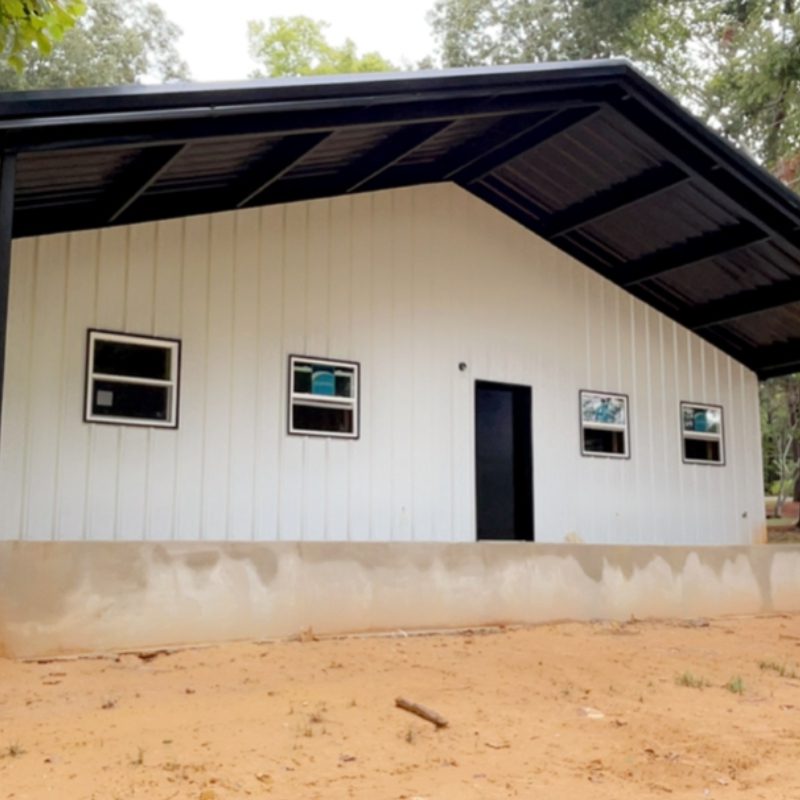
<point>323,382</point>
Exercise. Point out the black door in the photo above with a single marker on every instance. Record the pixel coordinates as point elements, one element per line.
<point>503,469</point>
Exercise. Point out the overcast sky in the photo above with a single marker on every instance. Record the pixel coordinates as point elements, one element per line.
<point>215,45</point>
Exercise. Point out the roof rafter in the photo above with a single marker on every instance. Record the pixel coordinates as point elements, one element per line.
<point>137,178</point>
<point>776,359</point>
<point>552,125</point>
<point>718,242</point>
<point>355,176</point>
<point>744,304</point>
<point>646,184</point>
<point>272,166</point>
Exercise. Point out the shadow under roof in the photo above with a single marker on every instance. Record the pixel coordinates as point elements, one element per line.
<point>589,155</point>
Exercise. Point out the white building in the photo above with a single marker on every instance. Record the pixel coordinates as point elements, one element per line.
<point>528,302</point>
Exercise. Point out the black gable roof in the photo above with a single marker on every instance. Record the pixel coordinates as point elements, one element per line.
<point>589,155</point>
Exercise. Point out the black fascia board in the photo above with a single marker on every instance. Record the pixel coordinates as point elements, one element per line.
<point>372,87</point>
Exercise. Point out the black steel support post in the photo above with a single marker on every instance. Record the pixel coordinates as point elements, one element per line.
<point>8,163</point>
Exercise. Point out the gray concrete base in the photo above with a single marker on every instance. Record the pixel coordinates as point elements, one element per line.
<point>72,597</point>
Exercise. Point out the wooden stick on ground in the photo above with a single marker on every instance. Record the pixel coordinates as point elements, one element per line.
<point>426,713</point>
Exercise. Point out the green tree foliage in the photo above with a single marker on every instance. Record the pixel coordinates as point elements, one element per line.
<point>473,32</point>
<point>115,42</point>
<point>735,63</point>
<point>780,427</point>
<point>31,26</point>
<point>297,46</point>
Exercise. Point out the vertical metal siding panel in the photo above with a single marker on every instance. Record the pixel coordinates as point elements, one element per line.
<point>190,436</point>
<point>218,388</point>
<point>441,227</point>
<point>421,337</point>
<point>16,395</point>
<point>162,457</point>
<point>340,344</point>
<point>668,442</point>
<point>626,381</point>
<point>641,417</point>
<point>74,433</point>
<point>244,382</point>
<point>45,397</point>
<point>270,431</point>
<point>684,391</point>
<point>401,378</point>
<point>718,512</point>
<point>315,483</point>
<point>662,485</point>
<point>360,473</point>
<point>104,440</point>
<point>294,337</point>
<point>382,402</point>
<point>132,497</point>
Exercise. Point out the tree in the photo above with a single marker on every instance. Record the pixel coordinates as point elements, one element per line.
<point>780,426</point>
<point>30,26</point>
<point>115,42</point>
<point>297,46</point>
<point>735,63</point>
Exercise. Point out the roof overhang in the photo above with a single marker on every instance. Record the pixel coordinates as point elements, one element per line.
<point>589,155</point>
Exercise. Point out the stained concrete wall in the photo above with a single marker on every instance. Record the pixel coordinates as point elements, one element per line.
<point>72,597</point>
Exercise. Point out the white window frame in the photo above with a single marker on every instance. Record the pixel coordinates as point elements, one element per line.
<point>605,426</point>
<point>325,401</point>
<point>704,437</point>
<point>173,345</point>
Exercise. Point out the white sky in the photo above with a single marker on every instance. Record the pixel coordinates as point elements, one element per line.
<point>215,43</point>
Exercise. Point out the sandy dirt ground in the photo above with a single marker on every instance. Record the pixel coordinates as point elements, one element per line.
<point>599,710</point>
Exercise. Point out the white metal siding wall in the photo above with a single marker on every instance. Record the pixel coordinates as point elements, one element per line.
<point>408,282</point>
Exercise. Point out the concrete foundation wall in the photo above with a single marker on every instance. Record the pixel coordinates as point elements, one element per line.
<point>72,597</point>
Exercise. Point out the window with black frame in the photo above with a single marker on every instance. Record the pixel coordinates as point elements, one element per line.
<point>604,424</point>
<point>702,434</point>
<point>132,380</point>
<point>323,397</point>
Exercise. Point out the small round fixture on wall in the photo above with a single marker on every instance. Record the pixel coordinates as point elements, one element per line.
<point>462,366</point>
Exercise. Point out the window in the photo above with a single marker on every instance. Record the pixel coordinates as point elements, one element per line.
<point>604,424</point>
<point>701,428</point>
<point>132,380</point>
<point>323,397</point>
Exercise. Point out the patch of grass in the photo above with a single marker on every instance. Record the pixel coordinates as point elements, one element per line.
<point>139,760</point>
<point>735,685</point>
<point>691,681</point>
<point>779,669</point>
<point>14,750</point>
<point>411,736</point>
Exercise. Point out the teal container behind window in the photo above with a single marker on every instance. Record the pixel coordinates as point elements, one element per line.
<point>323,382</point>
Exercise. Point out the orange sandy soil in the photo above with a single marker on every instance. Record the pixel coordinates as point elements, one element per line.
<point>558,711</point>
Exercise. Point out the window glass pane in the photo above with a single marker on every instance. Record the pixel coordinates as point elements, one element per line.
<point>602,440</point>
<point>302,378</point>
<point>344,382</point>
<point>133,360</point>
<point>135,401</point>
<point>702,420</point>
<point>316,419</point>
<point>603,408</point>
<point>702,450</point>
